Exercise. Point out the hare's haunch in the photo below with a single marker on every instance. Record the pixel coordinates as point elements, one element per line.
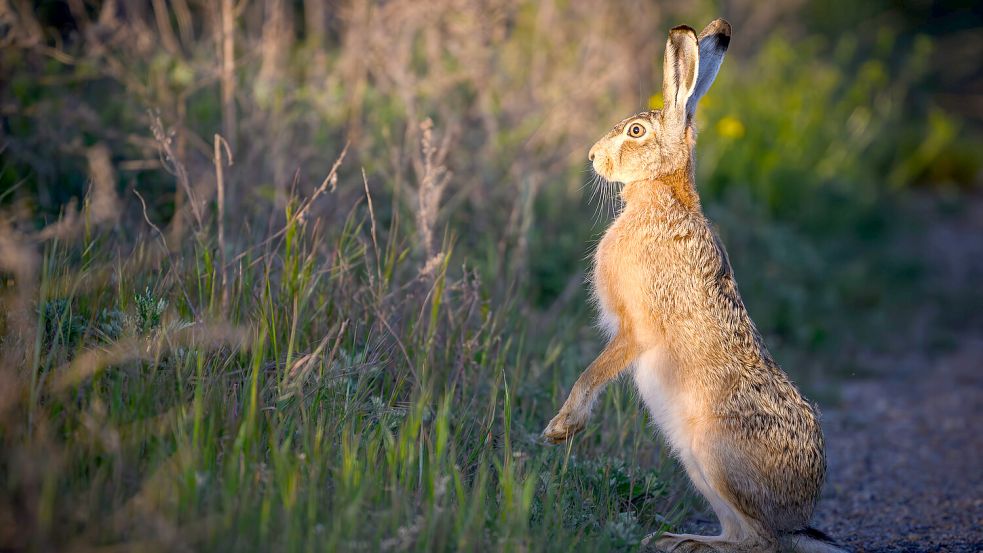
<point>749,441</point>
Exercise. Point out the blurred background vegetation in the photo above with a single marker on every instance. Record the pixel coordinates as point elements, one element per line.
<point>300,274</point>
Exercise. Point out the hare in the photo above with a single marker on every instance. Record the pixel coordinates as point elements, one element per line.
<point>749,441</point>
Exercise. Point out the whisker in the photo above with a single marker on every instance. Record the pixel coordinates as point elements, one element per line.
<point>613,200</point>
<point>593,188</point>
<point>620,202</point>
<point>599,191</point>
<point>604,199</point>
<point>604,202</point>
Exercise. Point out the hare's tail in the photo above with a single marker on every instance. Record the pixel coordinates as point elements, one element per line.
<point>810,540</point>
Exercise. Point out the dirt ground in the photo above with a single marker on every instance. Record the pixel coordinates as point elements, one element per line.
<point>905,459</point>
<point>905,446</point>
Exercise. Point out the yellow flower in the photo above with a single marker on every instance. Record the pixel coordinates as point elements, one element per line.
<point>655,101</point>
<point>730,127</point>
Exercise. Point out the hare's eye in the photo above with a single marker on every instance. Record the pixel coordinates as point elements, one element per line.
<point>636,130</point>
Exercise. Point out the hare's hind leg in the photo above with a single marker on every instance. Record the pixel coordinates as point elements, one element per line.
<point>739,533</point>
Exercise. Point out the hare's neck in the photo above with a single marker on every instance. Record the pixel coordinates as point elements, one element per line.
<point>676,188</point>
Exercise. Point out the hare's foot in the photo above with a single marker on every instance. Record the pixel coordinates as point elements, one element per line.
<point>678,543</point>
<point>689,543</point>
<point>565,424</point>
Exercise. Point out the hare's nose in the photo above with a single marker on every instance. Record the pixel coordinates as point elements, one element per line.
<point>590,155</point>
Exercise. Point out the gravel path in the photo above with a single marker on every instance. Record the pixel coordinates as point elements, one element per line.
<point>905,460</point>
<point>905,446</point>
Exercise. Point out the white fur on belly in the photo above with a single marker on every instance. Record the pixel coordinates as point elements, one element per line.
<point>669,408</point>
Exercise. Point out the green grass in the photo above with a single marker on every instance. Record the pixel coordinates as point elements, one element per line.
<point>411,426</point>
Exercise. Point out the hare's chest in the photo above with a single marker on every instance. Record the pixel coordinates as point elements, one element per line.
<point>605,287</point>
<point>620,281</point>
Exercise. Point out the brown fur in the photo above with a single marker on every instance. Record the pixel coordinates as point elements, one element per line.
<point>747,438</point>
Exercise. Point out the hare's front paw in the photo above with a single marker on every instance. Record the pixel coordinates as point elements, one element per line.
<point>564,425</point>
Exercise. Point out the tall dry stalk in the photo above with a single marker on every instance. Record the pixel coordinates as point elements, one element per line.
<point>432,177</point>
<point>226,42</point>
<point>163,19</point>
<point>220,189</point>
<point>315,19</point>
<point>175,166</point>
<point>277,37</point>
<point>182,13</point>
<point>103,202</point>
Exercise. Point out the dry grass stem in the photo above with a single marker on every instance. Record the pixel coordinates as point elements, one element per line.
<point>103,203</point>
<point>220,187</point>
<point>175,167</point>
<point>432,179</point>
<point>226,42</point>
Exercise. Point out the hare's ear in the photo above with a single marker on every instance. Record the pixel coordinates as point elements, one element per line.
<point>713,42</point>
<point>679,71</point>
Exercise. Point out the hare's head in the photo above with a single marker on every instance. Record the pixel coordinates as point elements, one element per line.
<point>653,144</point>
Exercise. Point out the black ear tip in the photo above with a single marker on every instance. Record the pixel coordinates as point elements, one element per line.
<point>723,27</point>
<point>724,41</point>
<point>682,29</point>
<point>719,28</point>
